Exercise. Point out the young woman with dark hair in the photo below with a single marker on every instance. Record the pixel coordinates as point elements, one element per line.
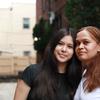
<point>56,77</point>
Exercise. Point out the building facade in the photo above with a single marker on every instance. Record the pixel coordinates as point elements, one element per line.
<point>16,25</point>
<point>52,10</point>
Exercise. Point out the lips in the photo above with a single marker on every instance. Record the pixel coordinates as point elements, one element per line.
<point>81,53</point>
<point>62,56</point>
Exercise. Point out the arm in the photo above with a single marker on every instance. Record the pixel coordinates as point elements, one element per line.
<point>21,91</point>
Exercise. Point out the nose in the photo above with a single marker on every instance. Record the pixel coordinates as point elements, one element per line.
<point>64,48</point>
<point>81,45</point>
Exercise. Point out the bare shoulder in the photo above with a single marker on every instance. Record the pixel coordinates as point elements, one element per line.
<point>21,91</point>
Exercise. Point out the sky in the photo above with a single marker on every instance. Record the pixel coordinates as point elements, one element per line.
<point>7,3</point>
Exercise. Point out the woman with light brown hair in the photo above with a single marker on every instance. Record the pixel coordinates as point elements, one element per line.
<point>88,52</point>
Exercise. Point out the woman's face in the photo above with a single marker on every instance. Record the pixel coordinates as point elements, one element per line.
<point>86,46</point>
<point>64,49</point>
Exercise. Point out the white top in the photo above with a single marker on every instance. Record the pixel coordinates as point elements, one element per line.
<point>84,95</point>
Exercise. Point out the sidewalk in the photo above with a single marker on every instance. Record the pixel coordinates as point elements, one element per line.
<point>7,90</point>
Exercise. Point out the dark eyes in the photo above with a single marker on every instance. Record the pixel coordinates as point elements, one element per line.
<point>60,43</point>
<point>77,43</point>
<point>84,42</point>
<point>68,45</point>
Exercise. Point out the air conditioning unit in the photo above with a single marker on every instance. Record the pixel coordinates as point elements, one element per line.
<point>51,16</point>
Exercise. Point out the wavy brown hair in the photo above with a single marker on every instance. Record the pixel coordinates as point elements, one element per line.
<point>93,69</point>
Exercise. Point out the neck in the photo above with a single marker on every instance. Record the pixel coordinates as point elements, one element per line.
<point>90,61</point>
<point>62,68</point>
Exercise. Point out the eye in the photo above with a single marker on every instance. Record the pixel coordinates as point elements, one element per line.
<point>60,43</point>
<point>85,42</point>
<point>70,46</point>
<point>77,43</point>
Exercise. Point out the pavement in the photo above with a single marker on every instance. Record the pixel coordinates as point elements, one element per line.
<point>7,90</point>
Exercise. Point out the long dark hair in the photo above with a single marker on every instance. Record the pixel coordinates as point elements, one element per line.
<point>46,80</point>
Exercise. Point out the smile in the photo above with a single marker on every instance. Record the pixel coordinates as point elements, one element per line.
<point>81,53</point>
<point>62,56</point>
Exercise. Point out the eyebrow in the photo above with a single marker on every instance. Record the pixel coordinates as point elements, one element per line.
<point>67,42</point>
<point>82,39</point>
<point>71,44</point>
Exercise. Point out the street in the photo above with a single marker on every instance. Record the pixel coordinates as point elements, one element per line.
<point>7,90</point>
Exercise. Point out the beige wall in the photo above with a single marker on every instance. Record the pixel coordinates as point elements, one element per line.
<point>13,38</point>
<point>11,65</point>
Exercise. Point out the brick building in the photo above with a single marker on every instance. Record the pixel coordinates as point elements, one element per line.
<point>52,10</point>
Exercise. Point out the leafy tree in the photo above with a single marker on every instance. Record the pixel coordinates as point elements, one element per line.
<point>83,12</point>
<point>41,34</point>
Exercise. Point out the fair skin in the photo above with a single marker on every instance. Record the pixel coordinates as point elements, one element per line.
<point>86,46</point>
<point>64,52</point>
<point>22,91</point>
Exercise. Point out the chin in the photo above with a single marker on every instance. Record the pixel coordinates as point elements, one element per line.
<point>83,59</point>
<point>62,61</point>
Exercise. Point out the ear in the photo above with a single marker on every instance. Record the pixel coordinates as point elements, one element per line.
<point>98,51</point>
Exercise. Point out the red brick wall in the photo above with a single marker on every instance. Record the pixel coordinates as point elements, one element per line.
<point>38,9</point>
<point>56,6</point>
<point>59,4</point>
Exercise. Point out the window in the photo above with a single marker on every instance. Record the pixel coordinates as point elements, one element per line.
<point>0,53</point>
<point>26,53</point>
<point>58,21</point>
<point>43,5</point>
<point>26,23</point>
